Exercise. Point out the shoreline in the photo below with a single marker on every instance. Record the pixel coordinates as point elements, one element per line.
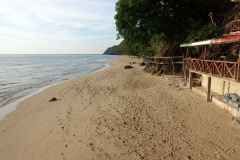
<point>9,108</point>
<point>119,114</point>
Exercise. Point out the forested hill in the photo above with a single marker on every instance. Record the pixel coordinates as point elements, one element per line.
<point>110,50</point>
<point>157,27</point>
<point>121,49</point>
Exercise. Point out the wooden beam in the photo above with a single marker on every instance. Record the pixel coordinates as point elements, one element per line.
<point>209,89</point>
<point>190,79</point>
<point>235,0</point>
<point>168,57</point>
<point>229,39</point>
<point>169,63</point>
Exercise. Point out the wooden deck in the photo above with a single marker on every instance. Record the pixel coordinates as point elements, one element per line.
<point>222,69</point>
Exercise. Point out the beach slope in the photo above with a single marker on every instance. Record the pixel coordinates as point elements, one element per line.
<point>119,114</point>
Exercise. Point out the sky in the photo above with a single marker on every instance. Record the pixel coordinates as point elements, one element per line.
<point>57,26</point>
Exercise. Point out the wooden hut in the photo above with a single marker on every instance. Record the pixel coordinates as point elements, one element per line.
<point>218,76</point>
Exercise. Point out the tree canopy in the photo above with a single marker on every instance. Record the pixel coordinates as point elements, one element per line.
<point>145,23</point>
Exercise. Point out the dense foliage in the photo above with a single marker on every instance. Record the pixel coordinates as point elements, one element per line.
<point>148,26</point>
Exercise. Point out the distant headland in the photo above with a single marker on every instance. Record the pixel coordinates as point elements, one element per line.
<point>115,50</point>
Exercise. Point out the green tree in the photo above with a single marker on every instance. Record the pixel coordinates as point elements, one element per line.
<point>139,21</point>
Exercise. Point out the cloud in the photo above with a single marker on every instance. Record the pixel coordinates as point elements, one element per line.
<point>68,22</point>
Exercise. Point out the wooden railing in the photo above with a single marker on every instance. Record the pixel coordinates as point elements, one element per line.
<point>164,60</point>
<point>216,68</point>
<point>235,26</point>
<point>164,65</point>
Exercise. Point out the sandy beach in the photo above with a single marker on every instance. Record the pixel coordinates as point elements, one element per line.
<point>119,114</point>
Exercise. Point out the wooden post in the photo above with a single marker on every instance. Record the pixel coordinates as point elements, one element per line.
<point>209,89</point>
<point>205,53</point>
<point>186,71</point>
<point>190,79</point>
<point>173,67</point>
<point>223,69</point>
<point>228,87</point>
<point>223,90</point>
<point>237,79</point>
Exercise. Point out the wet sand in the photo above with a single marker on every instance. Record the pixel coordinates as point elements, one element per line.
<point>119,114</point>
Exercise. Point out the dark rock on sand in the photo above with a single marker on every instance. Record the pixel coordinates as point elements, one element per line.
<point>53,99</point>
<point>128,67</point>
<point>142,64</point>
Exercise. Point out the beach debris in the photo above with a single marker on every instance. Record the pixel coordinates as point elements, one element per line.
<point>233,99</point>
<point>132,62</point>
<point>128,67</point>
<point>142,64</point>
<point>189,157</point>
<point>236,120</point>
<point>53,99</point>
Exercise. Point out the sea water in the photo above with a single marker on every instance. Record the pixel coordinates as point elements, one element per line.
<point>21,75</point>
